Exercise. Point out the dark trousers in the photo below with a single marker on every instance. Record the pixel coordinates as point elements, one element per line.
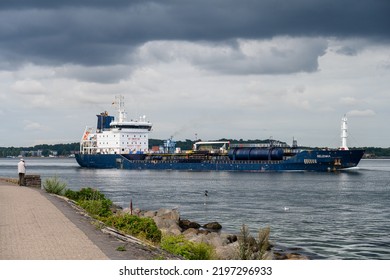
<point>21,179</point>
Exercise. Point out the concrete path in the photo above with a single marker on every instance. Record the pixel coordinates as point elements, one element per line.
<point>33,228</point>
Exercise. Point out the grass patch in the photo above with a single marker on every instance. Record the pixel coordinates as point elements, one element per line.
<point>121,248</point>
<point>178,245</point>
<point>143,228</point>
<point>54,185</point>
<point>85,194</point>
<point>97,205</point>
<point>97,208</point>
<point>92,201</point>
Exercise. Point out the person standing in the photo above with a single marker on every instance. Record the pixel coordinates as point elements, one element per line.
<point>21,171</point>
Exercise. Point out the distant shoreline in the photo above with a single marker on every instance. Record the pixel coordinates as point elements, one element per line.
<point>72,157</point>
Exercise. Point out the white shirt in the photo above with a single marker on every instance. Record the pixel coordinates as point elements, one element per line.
<point>21,167</point>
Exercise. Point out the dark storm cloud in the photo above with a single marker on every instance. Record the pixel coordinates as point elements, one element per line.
<point>282,55</point>
<point>11,4</point>
<point>99,32</point>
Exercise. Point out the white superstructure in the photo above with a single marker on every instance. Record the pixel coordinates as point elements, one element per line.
<point>117,136</point>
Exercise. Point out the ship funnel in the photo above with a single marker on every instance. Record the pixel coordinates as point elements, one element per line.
<point>344,133</point>
<point>104,121</point>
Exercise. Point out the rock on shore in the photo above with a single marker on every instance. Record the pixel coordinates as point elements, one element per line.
<point>226,245</point>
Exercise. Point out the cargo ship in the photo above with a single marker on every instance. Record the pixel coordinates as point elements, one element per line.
<point>124,144</point>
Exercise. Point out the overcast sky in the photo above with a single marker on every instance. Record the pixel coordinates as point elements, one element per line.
<point>215,69</point>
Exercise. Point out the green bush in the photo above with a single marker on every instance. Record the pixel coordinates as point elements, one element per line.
<point>93,201</point>
<point>85,194</point>
<point>144,228</point>
<point>100,208</point>
<point>178,245</point>
<point>71,194</point>
<point>90,194</point>
<point>54,185</point>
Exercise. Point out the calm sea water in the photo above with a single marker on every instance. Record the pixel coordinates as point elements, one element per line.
<point>342,215</point>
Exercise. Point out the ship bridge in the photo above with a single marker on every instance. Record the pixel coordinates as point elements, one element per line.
<point>142,124</point>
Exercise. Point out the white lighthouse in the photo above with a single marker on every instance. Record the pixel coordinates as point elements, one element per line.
<point>344,133</point>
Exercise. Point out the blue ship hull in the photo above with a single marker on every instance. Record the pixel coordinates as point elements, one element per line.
<point>310,160</point>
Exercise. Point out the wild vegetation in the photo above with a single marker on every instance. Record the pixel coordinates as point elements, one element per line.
<point>178,245</point>
<point>99,207</point>
<point>251,248</point>
<point>54,185</point>
<point>144,228</point>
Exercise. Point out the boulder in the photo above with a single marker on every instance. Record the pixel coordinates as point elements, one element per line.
<point>231,238</point>
<point>190,233</point>
<point>135,212</point>
<point>203,231</point>
<point>186,224</point>
<point>228,252</point>
<point>167,226</point>
<point>213,226</point>
<point>168,214</point>
<point>173,230</point>
<point>228,238</point>
<point>214,239</point>
<point>149,214</point>
<point>226,245</point>
<point>166,220</point>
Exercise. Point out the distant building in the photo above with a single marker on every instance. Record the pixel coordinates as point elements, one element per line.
<point>38,153</point>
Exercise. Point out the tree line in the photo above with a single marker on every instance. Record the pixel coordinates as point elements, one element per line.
<point>46,150</point>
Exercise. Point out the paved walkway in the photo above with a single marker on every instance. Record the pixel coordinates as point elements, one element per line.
<point>32,228</point>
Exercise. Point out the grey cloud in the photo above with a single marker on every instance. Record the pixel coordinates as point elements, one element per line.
<point>347,50</point>
<point>98,32</point>
<point>352,47</point>
<point>66,36</point>
<point>98,74</point>
<point>361,113</point>
<point>46,4</point>
<point>281,55</point>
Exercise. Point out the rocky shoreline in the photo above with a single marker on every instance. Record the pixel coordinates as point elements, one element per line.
<point>226,245</point>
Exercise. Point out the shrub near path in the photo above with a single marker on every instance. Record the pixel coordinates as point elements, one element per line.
<point>54,185</point>
<point>143,228</point>
<point>97,205</point>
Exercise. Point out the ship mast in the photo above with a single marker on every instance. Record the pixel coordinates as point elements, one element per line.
<point>120,105</point>
<point>344,133</point>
